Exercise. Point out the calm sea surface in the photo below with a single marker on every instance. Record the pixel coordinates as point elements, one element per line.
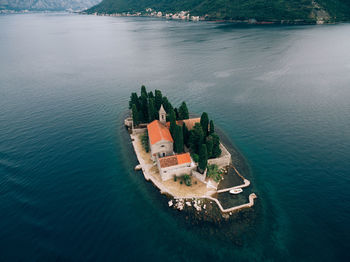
<point>67,187</point>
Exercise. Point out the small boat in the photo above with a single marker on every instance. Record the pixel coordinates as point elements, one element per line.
<point>236,191</point>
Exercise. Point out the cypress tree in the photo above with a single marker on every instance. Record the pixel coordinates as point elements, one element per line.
<point>172,120</point>
<point>144,107</point>
<point>210,146</point>
<point>140,116</point>
<point>203,158</point>
<point>179,141</point>
<point>151,110</point>
<point>216,146</point>
<point>186,134</point>
<point>158,99</point>
<point>167,105</point>
<point>211,129</point>
<point>183,111</point>
<point>135,115</point>
<point>176,113</point>
<point>150,95</point>
<point>196,138</point>
<point>205,123</point>
<point>144,91</point>
<point>134,99</point>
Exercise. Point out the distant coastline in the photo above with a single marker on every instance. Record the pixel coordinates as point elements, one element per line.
<point>179,17</point>
<point>291,12</point>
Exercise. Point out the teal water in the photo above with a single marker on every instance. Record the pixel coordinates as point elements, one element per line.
<point>67,187</point>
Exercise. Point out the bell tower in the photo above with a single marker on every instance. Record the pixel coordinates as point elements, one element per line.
<point>162,115</point>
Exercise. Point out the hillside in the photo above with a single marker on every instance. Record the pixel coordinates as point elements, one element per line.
<point>46,5</point>
<point>261,10</point>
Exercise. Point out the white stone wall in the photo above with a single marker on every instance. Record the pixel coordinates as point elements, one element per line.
<point>198,175</point>
<point>223,160</point>
<point>162,146</point>
<point>128,122</point>
<point>137,131</point>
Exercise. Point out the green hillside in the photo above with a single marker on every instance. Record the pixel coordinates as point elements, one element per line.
<point>262,10</point>
<point>338,9</point>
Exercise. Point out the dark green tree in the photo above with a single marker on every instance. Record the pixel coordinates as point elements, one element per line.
<point>196,138</point>
<point>158,99</point>
<point>144,107</point>
<point>176,113</point>
<point>210,146</point>
<point>150,95</point>
<point>205,123</point>
<point>216,146</point>
<point>134,100</point>
<point>135,115</point>
<point>167,105</point>
<point>203,158</point>
<point>211,129</point>
<point>179,141</point>
<point>172,120</point>
<point>140,116</point>
<point>144,91</point>
<point>152,114</point>
<point>186,134</point>
<point>183,111</point>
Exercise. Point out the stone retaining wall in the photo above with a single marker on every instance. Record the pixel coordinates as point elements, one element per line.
<point>223,160</point>
<point>227,210</point>
<point>199,176</point>
<point>137,131</point>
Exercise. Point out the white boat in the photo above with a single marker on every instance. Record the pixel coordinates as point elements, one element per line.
<point>236,191</point>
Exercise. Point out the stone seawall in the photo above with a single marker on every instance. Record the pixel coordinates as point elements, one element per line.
<point>222,161</point>
<point>252,196</point>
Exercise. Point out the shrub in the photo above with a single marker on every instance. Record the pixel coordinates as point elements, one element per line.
<point>195,157</point>
<point>175,178</point>
<point>187,179</point>
<point>214,173</point>
<point>203,158</point>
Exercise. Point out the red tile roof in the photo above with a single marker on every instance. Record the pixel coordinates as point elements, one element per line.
<point>183,158</point>
<point>157,132</point>
<point>188,122</point>
<point>175,160</point>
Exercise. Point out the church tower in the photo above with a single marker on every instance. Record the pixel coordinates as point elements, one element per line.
<point>162,115</point>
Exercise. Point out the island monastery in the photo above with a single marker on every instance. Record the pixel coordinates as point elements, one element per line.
<point>162,144</point>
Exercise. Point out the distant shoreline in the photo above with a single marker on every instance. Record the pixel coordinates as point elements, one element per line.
<point>214,20</point>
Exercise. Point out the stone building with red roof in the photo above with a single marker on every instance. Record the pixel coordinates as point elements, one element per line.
<point>162,152</point>
<point>160,140</point>
<point>176,165</point>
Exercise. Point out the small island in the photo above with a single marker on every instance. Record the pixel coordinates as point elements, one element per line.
<point>182,156</point>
